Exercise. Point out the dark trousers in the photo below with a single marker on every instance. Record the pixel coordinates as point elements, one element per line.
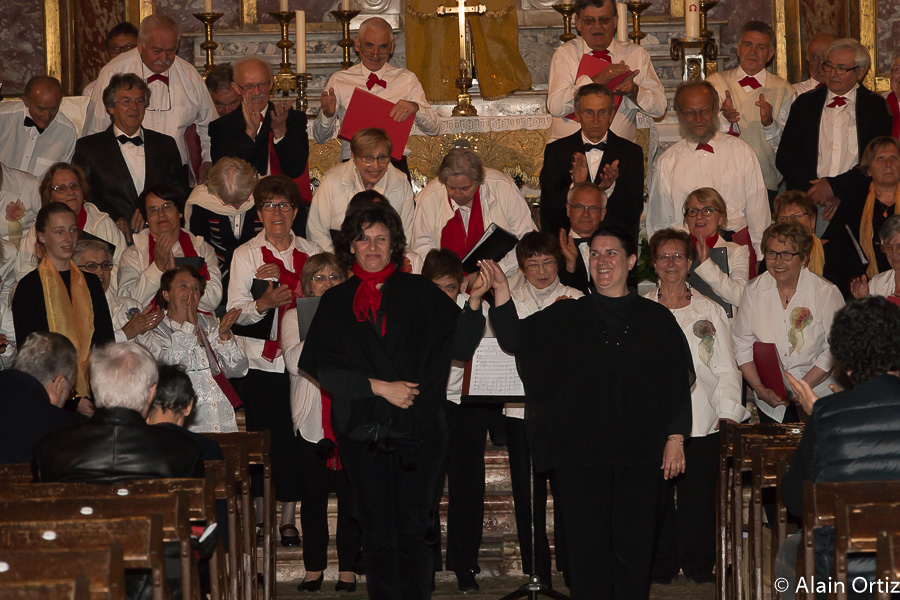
<point>609,517</point>
<point>395,493</point>
<point>267,404</point>
<point>687,536</point>
<point>468,426</point>
<point>318,481</point>
<point>519,463</point>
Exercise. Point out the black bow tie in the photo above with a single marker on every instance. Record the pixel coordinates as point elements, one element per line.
<point>30,123</point>
<point>580,241</point>
<point>136,140</point>
<point>601,147</point>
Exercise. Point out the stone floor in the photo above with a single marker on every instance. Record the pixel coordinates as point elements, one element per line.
<point>495,588</point>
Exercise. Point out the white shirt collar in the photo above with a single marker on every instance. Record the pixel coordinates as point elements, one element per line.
<point>585,139</point>
<point>117,132</point>
<point>850,96</point>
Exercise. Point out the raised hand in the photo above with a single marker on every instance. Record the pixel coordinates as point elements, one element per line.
<point>481,285</point>
<point>765,111</point>
<point>569,250</point>
<point>329,102</point>
<point>280,110</point>
<point>251,115</point>
<point>859,286</point>
<point>226,322</point>
<point>609,174</point>
<point>162,252</point>
<point>580,170</point>
<point>728,110</point>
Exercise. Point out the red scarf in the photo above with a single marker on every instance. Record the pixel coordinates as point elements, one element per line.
<point>894,105</point>
<point>454,235</point>
<point>710,241</point>
<point>368,296</point>
<point>187,248</point>
<point>334,458</point>
<point>302,181</point>
<point>272,348</point>
<point>82,218</point>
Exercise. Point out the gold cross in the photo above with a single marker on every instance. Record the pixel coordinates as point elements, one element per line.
<point>461,9</point>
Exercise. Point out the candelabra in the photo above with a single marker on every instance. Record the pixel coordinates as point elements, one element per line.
<point>695,55</point>
<point>636,8</point>
<point>208,18</point>
<point>302,84</point>
<point>464,106</point>
<point>345,16</point>
<point>285,85</point>
<point>566,10</point>
<point>705,7</point>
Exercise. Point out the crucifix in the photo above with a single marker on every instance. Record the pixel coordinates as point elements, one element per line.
<point>463,100</point>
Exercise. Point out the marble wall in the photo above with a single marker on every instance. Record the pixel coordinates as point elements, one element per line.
<point>21,44</point>
<point>96,18</point>
<point>888,19</point>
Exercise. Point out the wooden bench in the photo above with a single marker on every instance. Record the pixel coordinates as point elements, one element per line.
<point>222,474</point>
<point>77,589</point>
<point>887,564</point>
<point>16,473</point>
<point>246,535</point>
<point>103,568</point>
<point>856,530</point>
<point>141,539</point>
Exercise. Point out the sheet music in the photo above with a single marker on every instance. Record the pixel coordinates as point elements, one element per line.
<point>494,371</point>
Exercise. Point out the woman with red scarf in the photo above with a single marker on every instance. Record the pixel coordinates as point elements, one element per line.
<point>381,344</point>
<point>264,282</point>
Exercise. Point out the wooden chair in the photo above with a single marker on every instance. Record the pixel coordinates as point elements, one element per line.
<point>222,473</point>
<point>259,450</point>
<point>819,511</point>
<point>856,530</point>
<point>77,589</point>
<point>16,473</point>
<point>887,561</point>
<point>141,539</point>
<point>172,510</point>
<point>765,465</point>
<point>239,456</point>
<point>103,568</point>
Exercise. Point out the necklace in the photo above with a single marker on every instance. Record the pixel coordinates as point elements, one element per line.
<point>687,295</point>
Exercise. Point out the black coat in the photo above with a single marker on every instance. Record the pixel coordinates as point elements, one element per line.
<point>26,416</point>
<point>116,445</point>
<point>228,137</point>
<point>798,150</point>
<point>112,188</point>
<point>623,207</point>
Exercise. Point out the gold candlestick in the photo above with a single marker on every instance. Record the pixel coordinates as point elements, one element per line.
<point>210,46</point>
<point>636,8</point>
<point>566,10</point>
<point>302,83</point>
<point>285,85</point>
<point>345,16</point>
<point>696,56</point>
<point>705,7</point>
<point>464,106</point>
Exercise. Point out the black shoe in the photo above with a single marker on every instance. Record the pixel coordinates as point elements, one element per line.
<point>566,581</point>
<point>465,581</point>
<point>293,537</point>
<point>345,586</point>
<point>313,585</point>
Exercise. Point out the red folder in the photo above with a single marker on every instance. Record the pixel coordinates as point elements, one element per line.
<point>591,65</point>
<point>768,365</point>
<point>368,110</point>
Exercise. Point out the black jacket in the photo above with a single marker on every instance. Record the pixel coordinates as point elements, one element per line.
<point>116,445</point>
<point>228,137</point>
<point>112,188</point>
<point>623,207</point>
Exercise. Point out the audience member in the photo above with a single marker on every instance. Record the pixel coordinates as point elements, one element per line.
<point>20,201</point>
<point>585,209</point>
<point>8,341</point>
<point>218,82</point>
<point>816,48</point>
<point>35,134</point>
<point>886,282</point>
<point>121,38</point>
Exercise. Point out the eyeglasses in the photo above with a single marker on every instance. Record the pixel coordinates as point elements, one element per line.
<point>792,217</point>
<point>890,248</point>
<point>65,187</point>
<point>677,257</point>
<point>333,278</point>
<point>784,255</point>
<point>591,21</point>
<point>707,211</point>
<point>265,85</point>
<point>126,102</point>
<point>692,114</point>
<point>281,206</point>
<point>594,210</point>
<point>829,66</point>
<point>534,267</point>
<point>94,266</point>
<point>382,160</point>
<point>165,207</point>
<point>119,49</point>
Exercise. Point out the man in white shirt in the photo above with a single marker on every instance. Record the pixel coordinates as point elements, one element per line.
<point>35,134</point>
<point>641,91</point>
<point>20,201</point>
<point>815,56</point>
<point>121,38</point>
<point>178,97</point>
<point>374,45</point>
<point>706,157</point>
<point>753,99</point>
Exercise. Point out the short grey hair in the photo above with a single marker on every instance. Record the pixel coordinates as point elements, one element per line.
<point>861,56</point>
<point>586,185</point>
<point>122,375</point>
<point>231,180</point>
<point>374,22</point>
<point>46,355</point>
<point>889,229</point>
<point>157,21</point>
<point>124,81</point>
<point>461,161</point>
<point>86,246</point>
<point>247,61</point>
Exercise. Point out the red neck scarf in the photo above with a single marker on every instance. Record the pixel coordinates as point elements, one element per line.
<point>368,297</point>
<point>894,105</point>
<point>82,219</point>
<point>454,235</point>
<point>710,241</point>
<point>334,458</point>
<point>272,348</point>
<point>187,248</point>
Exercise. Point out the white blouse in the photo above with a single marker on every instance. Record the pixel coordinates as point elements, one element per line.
<point>306,397</point>
<point>729,286</point>
<point>7,269</point>
<point>883,284</point>
<point>175,344</point>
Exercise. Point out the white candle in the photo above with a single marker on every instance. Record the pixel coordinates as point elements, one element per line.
<point>692,18</point>
<point>345,4</point>
<point>282,5</point>
<point>622,23</point>
<point>207,6</point>
<point>301,40</point>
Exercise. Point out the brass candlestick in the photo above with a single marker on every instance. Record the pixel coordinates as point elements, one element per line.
<point>566,10</point>
<point>210,46</point>
<point>285,85</point>
<point>464,106</point>
<point>705,7</point>
<point>696,56</point>
<point>345,16</point>
<point>636,8</point>
<point>302,83</point>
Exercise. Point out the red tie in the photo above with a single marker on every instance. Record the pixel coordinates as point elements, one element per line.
<point>837,101</point>
<point>373,81</point>
<point>750,82</point>
<point>706,147</point>
<point>158,77</point>
<point>604,54</point>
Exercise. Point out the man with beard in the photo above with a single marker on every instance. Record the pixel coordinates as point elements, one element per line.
<point>706,157</point>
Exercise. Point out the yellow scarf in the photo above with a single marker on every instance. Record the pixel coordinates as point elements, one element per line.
<point>865,228</point>
<point>816,257</point>
<point>73,318</point>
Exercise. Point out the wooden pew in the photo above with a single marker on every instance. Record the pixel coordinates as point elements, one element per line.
<point>222,473</point>
<point>77,589</point>
<point>887,561</point>
<point>103,568</point>
<point>247,533</point>
<point>856,530</point>
<point>15,473</point>
<point>172,510</point>
<point>141,539</point>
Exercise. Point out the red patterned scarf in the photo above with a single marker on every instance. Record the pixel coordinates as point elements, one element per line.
<point>710,241</point>
<point>272,348</point>
<point>454,235</point>
<point>82,218</point>
<point>368,296</point>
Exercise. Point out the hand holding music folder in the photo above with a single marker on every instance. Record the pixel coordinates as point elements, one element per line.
<point>368,110</point>
<point>493,245</point>
<point>593,66</point>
